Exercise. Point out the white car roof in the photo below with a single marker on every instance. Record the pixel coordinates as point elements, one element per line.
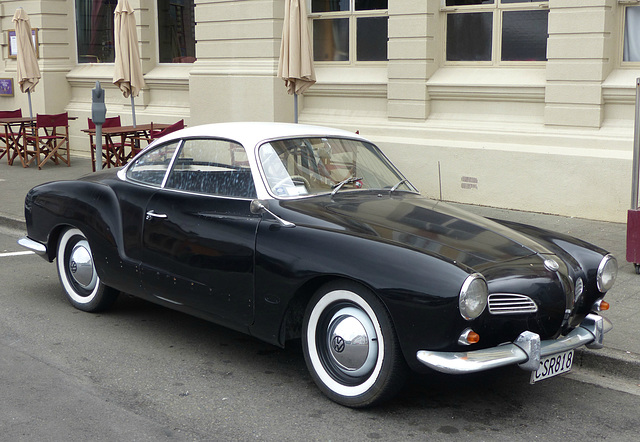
<point>250,134</point>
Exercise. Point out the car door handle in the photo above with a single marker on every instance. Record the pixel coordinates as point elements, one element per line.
<point>152,214</point>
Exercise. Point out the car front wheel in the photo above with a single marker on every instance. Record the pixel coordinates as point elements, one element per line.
<point>350,346</point>
<point>77,273</point>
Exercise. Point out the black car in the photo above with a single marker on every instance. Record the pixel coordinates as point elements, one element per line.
<point>290,231</point>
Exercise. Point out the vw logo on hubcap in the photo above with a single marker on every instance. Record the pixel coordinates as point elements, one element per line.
<point>338,344</point>
<point>73,267</point>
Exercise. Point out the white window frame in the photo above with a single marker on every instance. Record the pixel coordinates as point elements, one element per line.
<point>498,8</point>
<point>623,25</point>
<point>353,16</point>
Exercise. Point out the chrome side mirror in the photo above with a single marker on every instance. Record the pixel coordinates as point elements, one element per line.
<point>258,207</point>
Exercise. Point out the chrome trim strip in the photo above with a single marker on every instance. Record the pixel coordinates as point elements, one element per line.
<point>34,246</point>
<point>510,304</point>
<point>523,351</point>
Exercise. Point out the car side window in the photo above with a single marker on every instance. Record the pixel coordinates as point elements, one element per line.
<point>152,167</point>
<point>212,167</point>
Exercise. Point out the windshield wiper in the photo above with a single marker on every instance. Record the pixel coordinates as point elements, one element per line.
<point>336,187</point>
<point>400,183</point>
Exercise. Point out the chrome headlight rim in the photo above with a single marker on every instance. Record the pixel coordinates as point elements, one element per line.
<point>606,275</point>
<point>467,295</point>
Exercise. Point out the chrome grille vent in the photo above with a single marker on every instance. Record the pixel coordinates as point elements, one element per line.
<point>511,304</point>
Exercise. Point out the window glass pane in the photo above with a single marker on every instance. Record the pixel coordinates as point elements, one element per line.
<point>468,2</point>
<point>469,36</point>
<point>152,166</point>
<point>331,39</point>
<point>371,39</point>
<point>329,5</point>
<point>632,34</point>
<point>94,30</point>
<point>213,167</point>
<point>365,5</point>
<point>524,35</point>
<point>308,166</point>
<point>176,31</point>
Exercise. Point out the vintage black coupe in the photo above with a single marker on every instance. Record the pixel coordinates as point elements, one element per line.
<point>290,231</point>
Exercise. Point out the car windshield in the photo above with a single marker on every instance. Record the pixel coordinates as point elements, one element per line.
<point>312,166</point>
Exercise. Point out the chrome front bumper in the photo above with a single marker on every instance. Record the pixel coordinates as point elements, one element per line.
<point>526,350</point>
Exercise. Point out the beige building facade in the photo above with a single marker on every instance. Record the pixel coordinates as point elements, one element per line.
<point>465,114</point>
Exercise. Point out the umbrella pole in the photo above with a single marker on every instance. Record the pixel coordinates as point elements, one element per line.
<point>30,108</point>
<point>133,111</point>
<point>295,107</point>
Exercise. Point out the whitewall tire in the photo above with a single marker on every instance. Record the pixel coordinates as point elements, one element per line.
<point>350,346</point>
<point>78,276</point>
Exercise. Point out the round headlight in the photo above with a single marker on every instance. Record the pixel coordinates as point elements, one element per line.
<point>473,296</point>
<point>607,272</point>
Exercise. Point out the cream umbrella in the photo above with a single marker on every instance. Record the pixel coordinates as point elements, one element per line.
<point>295,65</point>
<point>128,71</point>
<point>28,70</point>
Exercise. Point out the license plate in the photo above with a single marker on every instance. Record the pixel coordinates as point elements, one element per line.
<point>553,365</point>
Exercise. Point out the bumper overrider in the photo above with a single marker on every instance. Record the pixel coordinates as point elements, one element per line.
<point>525,351</point>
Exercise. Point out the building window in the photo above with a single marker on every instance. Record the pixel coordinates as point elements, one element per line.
<point>496,30</point>
<point>176,31</point>
<point>631,50</point>
<point>94,30</point>
<point>349,30</point>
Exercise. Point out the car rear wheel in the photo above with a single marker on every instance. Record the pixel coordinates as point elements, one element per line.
<point>350,346</point>
<point>77,273</point>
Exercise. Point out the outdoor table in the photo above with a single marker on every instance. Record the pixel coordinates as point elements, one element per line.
<point>128,136</point>
<point>14,130</point>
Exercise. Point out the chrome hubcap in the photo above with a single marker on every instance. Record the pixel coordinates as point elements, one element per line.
<point>352,341</point>
<point>81,265</point>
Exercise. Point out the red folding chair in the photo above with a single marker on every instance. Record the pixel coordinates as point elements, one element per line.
<point>110,150</point>
<point>154,134</point>
<point>161,133</point>
<point>6,143</point>
<point>50,137</point>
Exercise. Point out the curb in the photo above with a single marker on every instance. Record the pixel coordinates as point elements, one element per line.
<point>610,361</point>
<point>12,224</point>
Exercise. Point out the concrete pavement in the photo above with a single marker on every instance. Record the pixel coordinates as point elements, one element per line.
<point>621,355</point>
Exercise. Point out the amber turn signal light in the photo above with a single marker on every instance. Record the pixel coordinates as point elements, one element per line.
<point>473,337</point>
<point>600,306</point>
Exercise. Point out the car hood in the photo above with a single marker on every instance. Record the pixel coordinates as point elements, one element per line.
<point>414,221</point>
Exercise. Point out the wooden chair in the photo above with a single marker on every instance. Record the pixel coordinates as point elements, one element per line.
<point>154,134</point>
<point>109,149</point>
<point>161,133</point>
<point>5,142</point>
<point>49,138</point>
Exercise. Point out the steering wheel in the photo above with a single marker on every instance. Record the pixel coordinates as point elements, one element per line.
<point>296,179</point>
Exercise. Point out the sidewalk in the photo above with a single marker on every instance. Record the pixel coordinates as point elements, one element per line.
<point>621,355</point>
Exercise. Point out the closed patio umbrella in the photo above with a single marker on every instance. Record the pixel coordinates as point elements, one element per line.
<point>28,70</point>
<point>295,65</point>
<point>128,71</point>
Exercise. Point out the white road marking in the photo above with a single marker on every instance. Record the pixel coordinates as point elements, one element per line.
<point>10,254</point>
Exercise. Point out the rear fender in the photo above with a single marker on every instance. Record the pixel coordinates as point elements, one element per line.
<point>90,207</point>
